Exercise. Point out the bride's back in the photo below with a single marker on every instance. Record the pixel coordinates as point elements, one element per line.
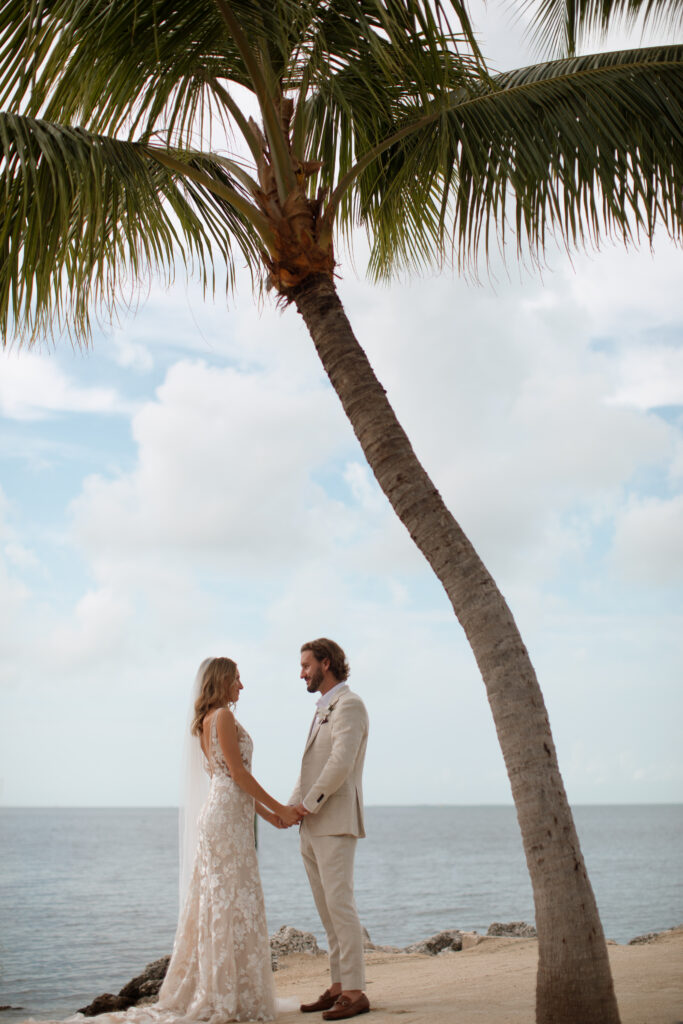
<point>211,747</point>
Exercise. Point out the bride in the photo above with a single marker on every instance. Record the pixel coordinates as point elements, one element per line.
<point>220,969</point>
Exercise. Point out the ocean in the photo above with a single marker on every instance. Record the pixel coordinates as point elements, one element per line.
<point>89,896</point>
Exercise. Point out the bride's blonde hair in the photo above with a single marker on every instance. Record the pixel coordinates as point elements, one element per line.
<point>219,675</point>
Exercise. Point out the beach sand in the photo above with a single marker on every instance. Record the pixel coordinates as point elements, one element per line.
<point>492,981</point>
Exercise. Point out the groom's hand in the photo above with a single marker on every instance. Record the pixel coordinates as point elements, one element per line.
<point>301,811</point>
<point>290,815</point>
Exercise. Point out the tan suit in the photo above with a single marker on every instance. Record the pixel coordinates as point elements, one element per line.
<point>331,786</point>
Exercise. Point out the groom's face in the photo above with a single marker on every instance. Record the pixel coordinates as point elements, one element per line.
<point>312,671</point>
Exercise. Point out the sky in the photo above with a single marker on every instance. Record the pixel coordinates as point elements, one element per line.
<point>189,486</point>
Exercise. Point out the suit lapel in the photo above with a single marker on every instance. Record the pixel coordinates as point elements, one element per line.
<point>315,725</point>
<point>315,728</point>
<point>312,731</point>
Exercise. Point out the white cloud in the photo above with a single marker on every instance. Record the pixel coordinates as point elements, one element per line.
<point>33,387</point>
<point>94,630</point>
<point>648,541</point>
<point>651,376</point>
<point>129,353</point>
<point>627,293</point>
<point>509,405</point>
<point>21,556</point>
<point>225,466</point>
<point>676,464</point>
<point>15,597</point>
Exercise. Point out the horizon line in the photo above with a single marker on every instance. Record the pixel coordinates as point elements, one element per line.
<point>174,807</point>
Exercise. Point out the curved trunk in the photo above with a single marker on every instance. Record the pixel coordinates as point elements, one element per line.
<point>574,980</point>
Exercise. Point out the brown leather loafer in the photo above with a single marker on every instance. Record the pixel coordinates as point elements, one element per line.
<point>345,1007</point>
<point>323,1002</point>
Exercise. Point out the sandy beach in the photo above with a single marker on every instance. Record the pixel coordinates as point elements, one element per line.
<point>492,981</point>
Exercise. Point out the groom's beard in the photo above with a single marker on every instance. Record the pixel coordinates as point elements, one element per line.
<point>315,681</point>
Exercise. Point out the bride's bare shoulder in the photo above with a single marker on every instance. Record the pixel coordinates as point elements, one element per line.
<point>226,721</point>
<point>225,715</point>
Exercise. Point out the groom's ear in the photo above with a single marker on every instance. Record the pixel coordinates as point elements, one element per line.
<point>325,664</point>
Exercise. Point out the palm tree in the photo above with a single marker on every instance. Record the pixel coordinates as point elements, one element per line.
<point>373,112</point>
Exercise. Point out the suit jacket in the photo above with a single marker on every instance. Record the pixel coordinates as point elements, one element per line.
<point>331,779</point>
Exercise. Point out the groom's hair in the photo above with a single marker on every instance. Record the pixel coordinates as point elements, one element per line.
<point>324,648</point>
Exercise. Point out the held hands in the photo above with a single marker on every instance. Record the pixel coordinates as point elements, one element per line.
<point>289,815</point>
<point>300,813</point>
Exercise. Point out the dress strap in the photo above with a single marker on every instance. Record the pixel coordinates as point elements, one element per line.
<point>208,753</point>
<point>213,732</point>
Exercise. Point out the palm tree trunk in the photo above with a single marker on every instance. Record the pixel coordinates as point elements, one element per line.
<point>574,984</point>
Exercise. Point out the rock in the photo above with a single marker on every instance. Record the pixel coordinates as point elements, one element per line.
<point>439,943</point>
<point>513,930</point>
<point>148,983</point>
<point>640,940</point>
<point>106,1003</point>
<point>291,940</point>
<point>142,989</point>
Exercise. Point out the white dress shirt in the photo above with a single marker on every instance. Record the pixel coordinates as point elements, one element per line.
<point>326,699</point>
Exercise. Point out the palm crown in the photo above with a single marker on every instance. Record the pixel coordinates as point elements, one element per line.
<point>374,113</point>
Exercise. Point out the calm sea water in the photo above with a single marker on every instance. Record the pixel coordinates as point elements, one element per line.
<point>88,897</point>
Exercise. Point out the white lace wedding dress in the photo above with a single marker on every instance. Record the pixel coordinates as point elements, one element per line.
<point>220,968</point>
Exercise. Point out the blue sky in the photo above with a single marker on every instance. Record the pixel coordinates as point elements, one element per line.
<point>190,486</point>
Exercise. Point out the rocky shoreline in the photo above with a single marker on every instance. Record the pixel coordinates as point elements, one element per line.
<point>145,986</point>
<point>492,975</point>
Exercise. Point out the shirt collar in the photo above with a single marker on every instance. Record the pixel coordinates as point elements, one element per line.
<point>326,699</point>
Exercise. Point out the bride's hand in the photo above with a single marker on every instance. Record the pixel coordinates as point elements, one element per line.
<point>289,815</point>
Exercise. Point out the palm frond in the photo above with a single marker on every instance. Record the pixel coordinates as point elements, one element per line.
<point>127,66</point>
<point>560,27</point>
<point>412,139</point>
<point>578,149</point>
<point>359,93</point>
<point>143,68</point>
<point>85,217</point>
<point>106,66</point>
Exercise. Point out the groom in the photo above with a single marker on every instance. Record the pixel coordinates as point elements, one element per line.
<point>329,797</point>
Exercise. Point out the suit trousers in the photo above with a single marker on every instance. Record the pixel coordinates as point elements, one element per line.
<point>329,865</point>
